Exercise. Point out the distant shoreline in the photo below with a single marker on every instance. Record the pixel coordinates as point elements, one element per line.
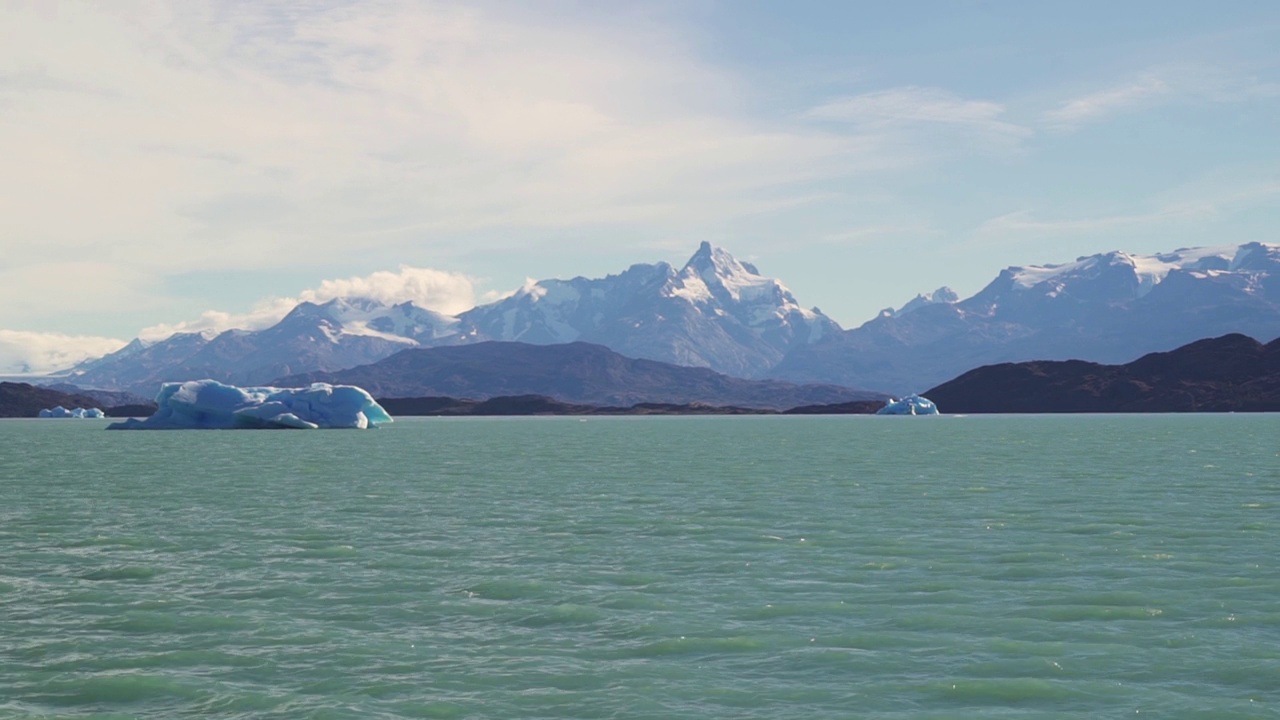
<point>524,405</point>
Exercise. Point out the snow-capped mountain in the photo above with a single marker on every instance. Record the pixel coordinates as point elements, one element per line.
<point>721,313</point>
<point>338,334</point>
<point>715,312</point>
<point>1109,308</point>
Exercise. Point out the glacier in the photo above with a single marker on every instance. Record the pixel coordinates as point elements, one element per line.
<point>61,412</point>
<point>909,405</point>
<point>211,405</point>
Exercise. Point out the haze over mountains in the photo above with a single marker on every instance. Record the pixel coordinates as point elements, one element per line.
<point>574,372</point>
<point>723,314</point>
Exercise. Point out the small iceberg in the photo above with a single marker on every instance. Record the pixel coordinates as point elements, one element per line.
<point>61,412</point>
<point>909,405</point>
<point>211,405</point>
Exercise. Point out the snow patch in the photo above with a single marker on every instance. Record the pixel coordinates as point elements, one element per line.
<point>691,288</point>
<point>1149,270</point>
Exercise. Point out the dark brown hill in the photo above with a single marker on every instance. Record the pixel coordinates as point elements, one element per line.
<point>1224,374</point>
<point>23,400</point>
<point>542,405</point>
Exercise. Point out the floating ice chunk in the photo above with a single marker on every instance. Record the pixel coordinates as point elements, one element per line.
<point>208,404</point>
<point>61,412</point>
<point>909,405</point>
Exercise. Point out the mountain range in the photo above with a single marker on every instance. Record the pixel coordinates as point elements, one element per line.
<point>722,314</point>
<point>576,372</point>
<point>714,312</point>
<point>1109,308</point>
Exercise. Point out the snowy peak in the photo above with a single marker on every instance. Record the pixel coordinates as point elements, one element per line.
<point>561,311</point>
<point>943,295</point>
<point>715,311</point>
<point>1109,308</point>
<point>1145,272</point>
<point>711,262</point>
<point>716,279</point>
<point>410,321</point>
<point>713,272</point>
<point>405,324</point>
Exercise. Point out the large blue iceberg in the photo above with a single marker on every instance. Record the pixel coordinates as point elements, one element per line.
<point>61,412</point>
<point>909,405</point>
<point>208,404</point>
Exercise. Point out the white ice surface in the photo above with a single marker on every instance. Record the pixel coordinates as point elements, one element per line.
<point>909,405</point>
<point>1149,269</point>
<point>208,404</point>
<point>61,412</point>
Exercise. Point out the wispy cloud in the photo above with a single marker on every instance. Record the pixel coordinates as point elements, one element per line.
<point>1159,86</point>
<point>1189,205</point>
<point>176,137</point>
<point>907,107</point>
<point>1098,105</point>
<point>287,131</point>
<point>1026,223</point>
<point>878,233</point>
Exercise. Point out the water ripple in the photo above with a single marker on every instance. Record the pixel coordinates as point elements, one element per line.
<point>1029,567</point>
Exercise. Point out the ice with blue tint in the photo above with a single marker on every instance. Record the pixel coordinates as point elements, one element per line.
<point>61,412</point>
<point>211,405</point>
<point>909,405</point>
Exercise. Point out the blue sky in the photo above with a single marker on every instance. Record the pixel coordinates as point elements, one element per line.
<point>190,165</point>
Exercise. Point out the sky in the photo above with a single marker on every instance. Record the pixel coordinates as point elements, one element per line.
<point>170,165</point>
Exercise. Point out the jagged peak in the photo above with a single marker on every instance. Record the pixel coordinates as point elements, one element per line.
<point>357,303</point>
<point>713,272</point>
<point>714,261</point>
<point>943,295</point>
<point>135,345</point>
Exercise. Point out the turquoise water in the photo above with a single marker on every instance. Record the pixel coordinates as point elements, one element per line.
<point>688,567</point>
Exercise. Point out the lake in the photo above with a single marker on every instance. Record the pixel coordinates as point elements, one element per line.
<point>645,567</point>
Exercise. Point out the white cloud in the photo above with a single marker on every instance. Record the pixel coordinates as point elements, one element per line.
<point>194,134</point>
<point>35,352</point>
<point>263,315</point>
<point>445,292</point>
<point>172,137</point>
